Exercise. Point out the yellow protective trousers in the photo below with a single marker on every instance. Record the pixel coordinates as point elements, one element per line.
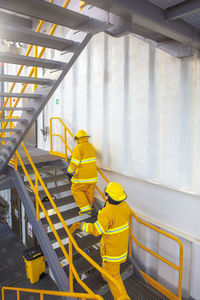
<point>83,194</point>
<point>114,270</point>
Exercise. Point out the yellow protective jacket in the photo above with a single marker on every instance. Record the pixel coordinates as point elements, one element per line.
<point>83,163</point>
<point>113,223</point>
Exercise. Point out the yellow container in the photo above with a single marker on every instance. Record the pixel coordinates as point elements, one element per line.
<point>35,264</point>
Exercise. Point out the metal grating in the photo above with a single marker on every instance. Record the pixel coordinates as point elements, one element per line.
<point>164,4</point>
<point>193,19</point>
<point>138,290</point>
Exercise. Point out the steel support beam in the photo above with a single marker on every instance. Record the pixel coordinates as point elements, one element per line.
<point>152,17</point>
<point>182,9</point>
<point>45,244</point>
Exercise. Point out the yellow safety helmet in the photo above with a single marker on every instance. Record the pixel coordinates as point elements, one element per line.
<point>115,191</point>
<point>80,134</point>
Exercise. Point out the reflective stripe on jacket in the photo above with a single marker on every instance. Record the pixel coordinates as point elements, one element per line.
<point>112,223</point>
<point>83,163</point>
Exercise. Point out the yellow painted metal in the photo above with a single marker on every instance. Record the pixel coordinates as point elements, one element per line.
<point>71,287</point>
<point>70,236</point>
<point>170,236</point>
<point>52,293</point>
<point>18,295</point>
<point>35,68</point>
<point>159,287</point>
<point>36,199</point>
<point>32,71</point>
<point>130,238</point>
<point>64,155</point>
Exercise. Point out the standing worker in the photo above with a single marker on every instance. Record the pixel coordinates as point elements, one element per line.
<point>83,173</point>
<point>113,223</point>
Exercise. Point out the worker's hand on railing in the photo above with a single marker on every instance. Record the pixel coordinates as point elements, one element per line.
<point>75,226</point>
<point>69,175</point>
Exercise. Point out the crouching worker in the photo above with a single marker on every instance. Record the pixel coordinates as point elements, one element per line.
<point>113,223</point>
<point>83,173</point>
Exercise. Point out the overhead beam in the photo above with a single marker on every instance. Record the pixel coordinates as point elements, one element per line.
<point>182,9</point>
<point>151,17</point>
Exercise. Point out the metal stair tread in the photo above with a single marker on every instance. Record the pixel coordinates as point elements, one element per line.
<point>30,61</point>
<point>59,202</point>
<point>54,190</point>
<point>60,177</point>
<point>71,213</point>
<point>16,108</point>
<point>61,232</point>
<point>14,120</point>
<point>84,243</point>
<point>138,290</point>
<point>48,169</point>
<point>46,11</point>
<point>97,283</point>
<point>18,95</point>
<point>7,138</point>
<point>24,79</point>
<point>10,130</point>
<point>81,264</point>
<point>27,36</point>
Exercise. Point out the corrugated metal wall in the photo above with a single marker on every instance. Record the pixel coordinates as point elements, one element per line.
<point>141,107</point>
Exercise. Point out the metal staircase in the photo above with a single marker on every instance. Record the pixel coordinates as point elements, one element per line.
<point>68,49</point>
<point>53,175</point>
<point>55,244</point>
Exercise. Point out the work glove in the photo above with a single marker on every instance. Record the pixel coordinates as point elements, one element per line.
<point>69,175</point>
<point>75,226</point>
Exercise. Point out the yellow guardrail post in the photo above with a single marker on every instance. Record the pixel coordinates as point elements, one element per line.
<point>35,68</point>
<point>65,132</point>
<point>36,198</point>
<point>71,284</point>
<point>18,295</point>
<point>130,238</point>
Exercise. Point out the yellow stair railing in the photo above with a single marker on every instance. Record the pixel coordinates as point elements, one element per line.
<point>81,296</point>
<point>72,243</point>
<point>154,283</point>
<point>32,72</point>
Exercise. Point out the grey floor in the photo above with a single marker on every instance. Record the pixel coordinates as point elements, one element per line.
<point>12,268</point>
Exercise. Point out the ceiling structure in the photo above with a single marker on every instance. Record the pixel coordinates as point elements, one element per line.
<point>171,25</point>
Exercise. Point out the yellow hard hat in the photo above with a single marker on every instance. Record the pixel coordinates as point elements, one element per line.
<point>80,134</point>
<point>115,191</point>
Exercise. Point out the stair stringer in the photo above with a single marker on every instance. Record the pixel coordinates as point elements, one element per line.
<point>39,104</point>
<point>45,244</point>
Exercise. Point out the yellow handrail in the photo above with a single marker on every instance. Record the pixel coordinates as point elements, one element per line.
<point>64,140</point>
<point>4,125</point>
<point>178,268</point>
<point>82,296</point>
<point>131,236</point>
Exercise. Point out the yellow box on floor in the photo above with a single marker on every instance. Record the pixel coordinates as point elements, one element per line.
<point>35,264</point>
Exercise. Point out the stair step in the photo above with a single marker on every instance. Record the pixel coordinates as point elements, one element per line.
<point>16,59</point>
<point>16,108</point>
<point>18,95</point>
<point>14,120</point>
<point>23,35</point>
<point>137,289</point>
<point>95,281</point>
<point>48,169</point>
<point>5,147</point>
<point>7,138</point>
<point>62,233</point>
<point>59,202</point>
<point>10,130</point>
<point>24,79</point>
<point>52,178</point>
<point>52,191</point>
<point>81,264</point>
<point>69,214</point>
<point>84,243</point>
<point>8,18</point>
<point>46,11</point>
